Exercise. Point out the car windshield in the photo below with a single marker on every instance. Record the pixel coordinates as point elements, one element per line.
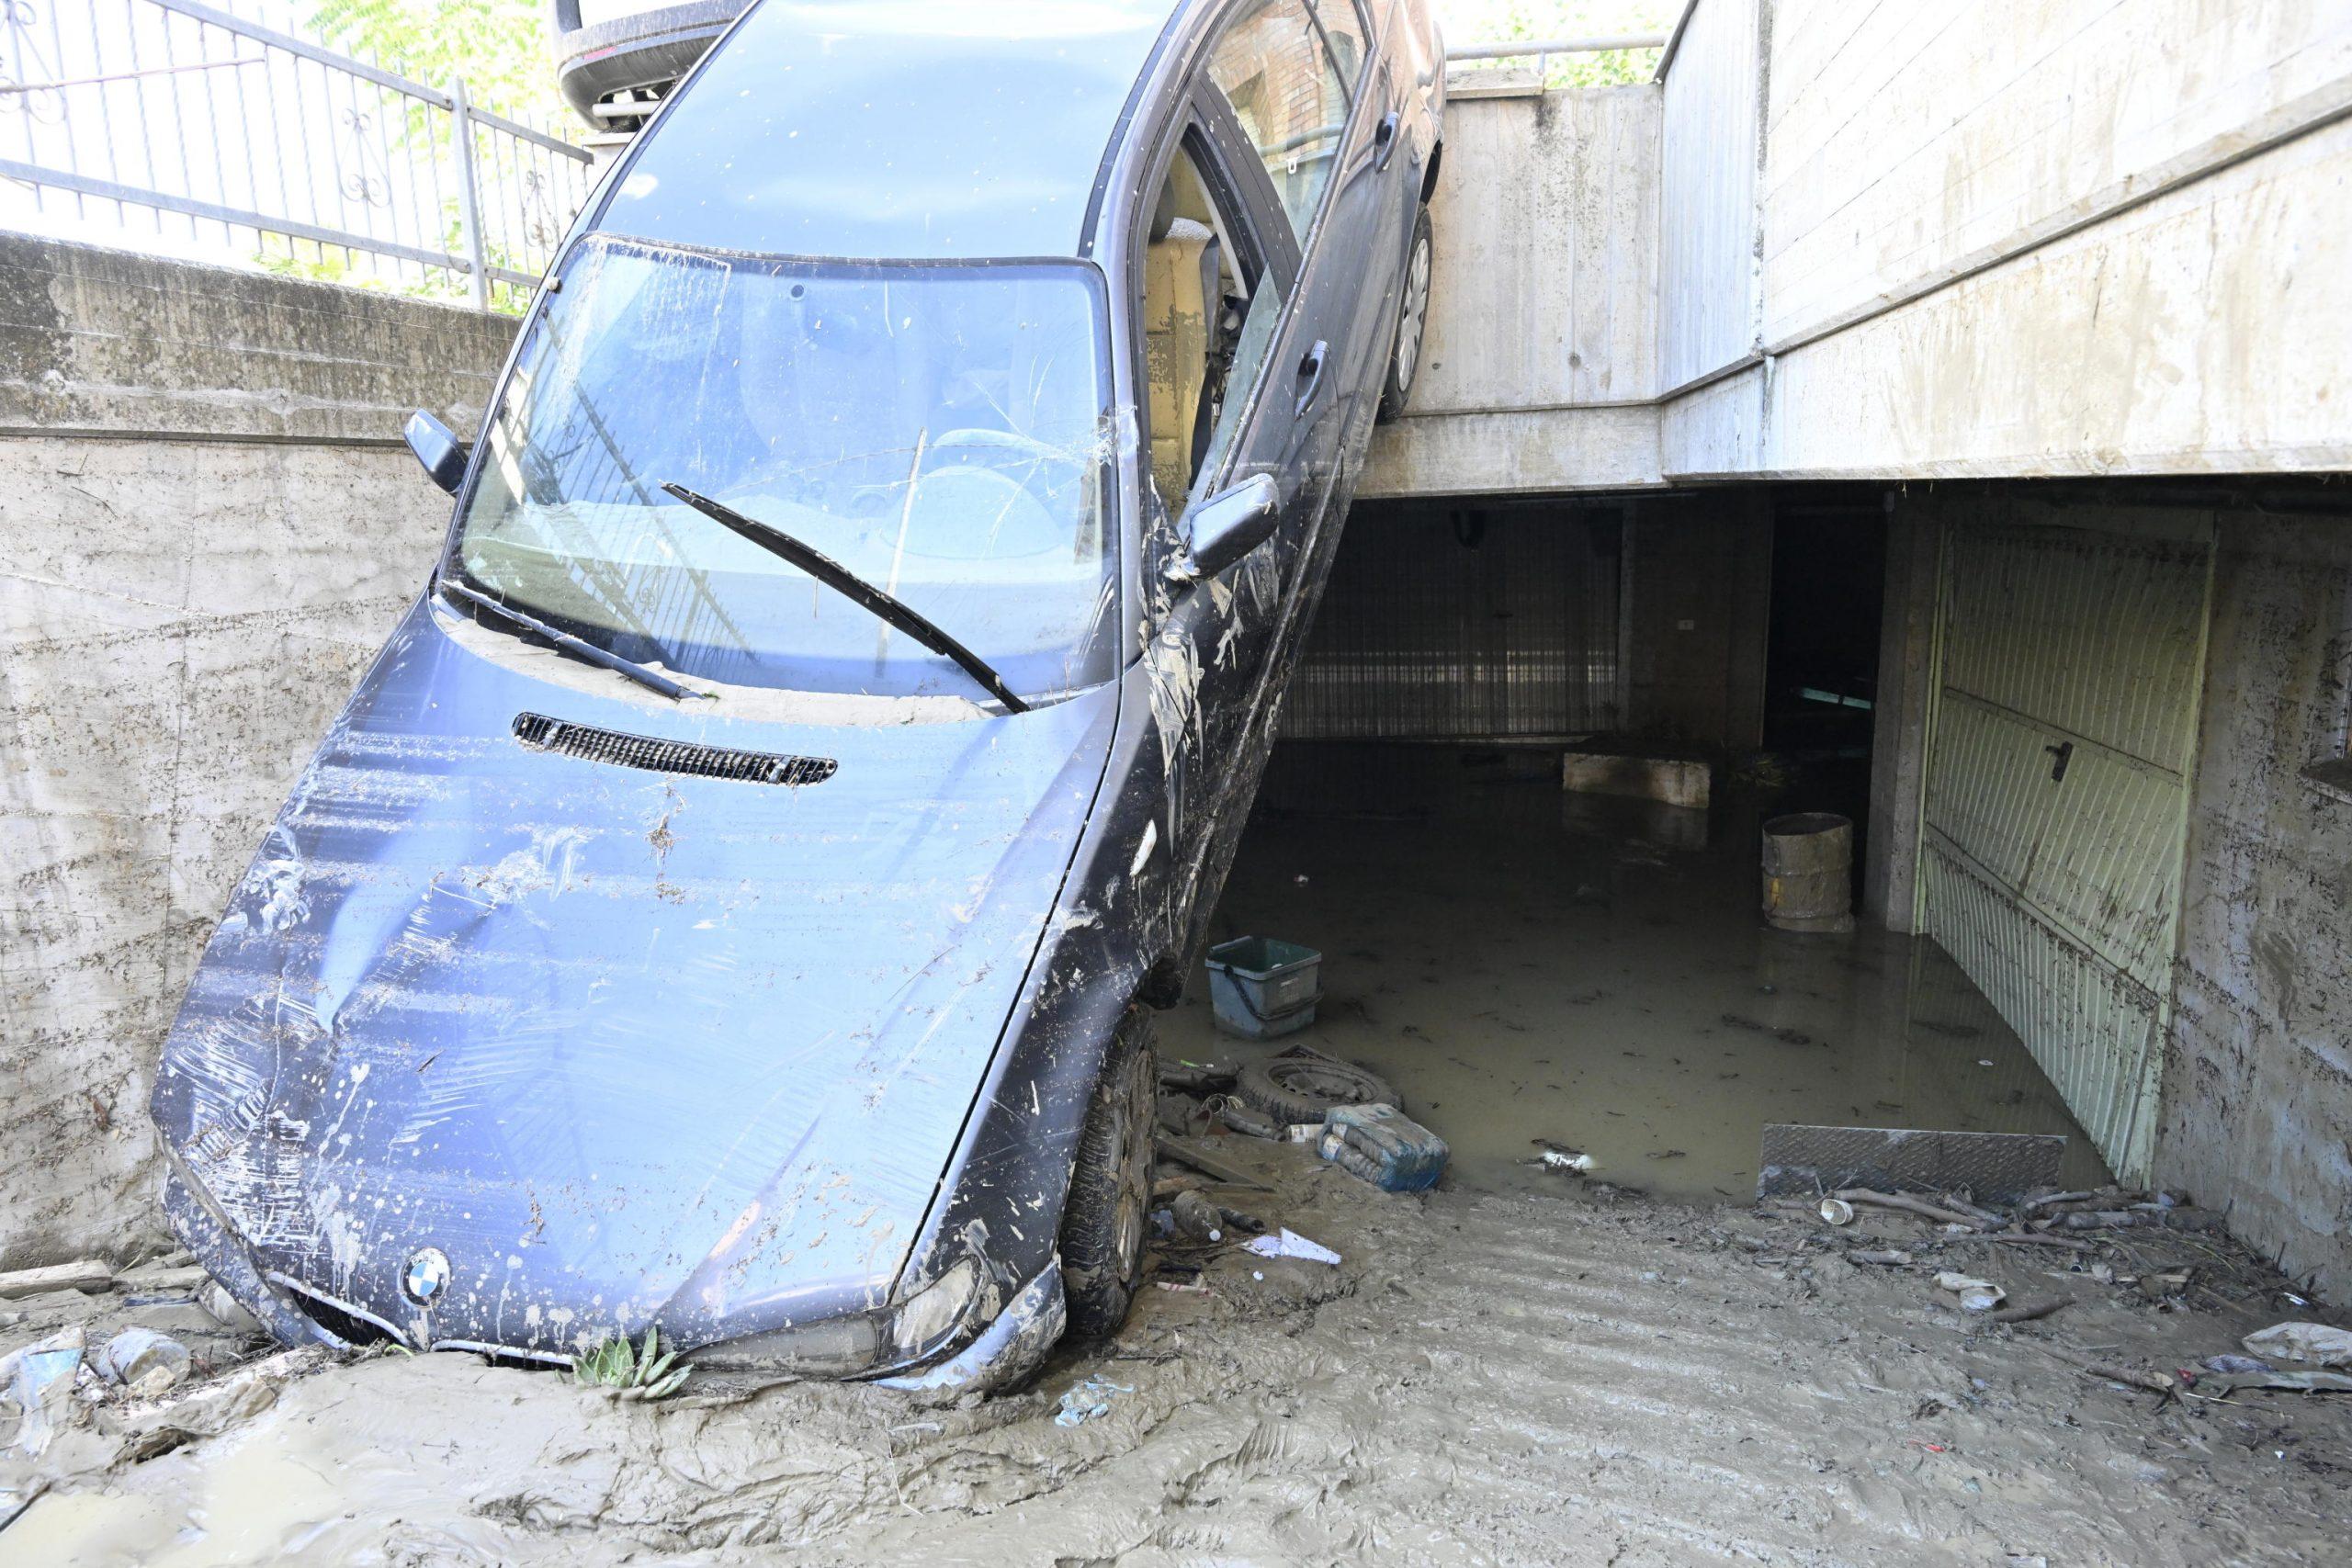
<point>939,431</point>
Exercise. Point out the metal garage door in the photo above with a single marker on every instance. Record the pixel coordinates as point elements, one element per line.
<point>2069,664</point>
<point>1464,625</point>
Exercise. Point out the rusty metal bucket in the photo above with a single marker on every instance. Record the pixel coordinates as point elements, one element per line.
<point>1809,872</point>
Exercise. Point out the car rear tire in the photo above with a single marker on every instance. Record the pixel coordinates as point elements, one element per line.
<point>1412,321</point>
<point>1109,1188</point>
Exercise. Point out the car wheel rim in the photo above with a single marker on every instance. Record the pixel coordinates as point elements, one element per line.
<point>1135,1174</point>
<point>1408,330</point>
<point>1130,1234</point>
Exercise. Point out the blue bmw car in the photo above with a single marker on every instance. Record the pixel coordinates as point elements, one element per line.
<point>735,900</point>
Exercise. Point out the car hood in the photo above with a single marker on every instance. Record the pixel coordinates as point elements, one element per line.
<point>626,1045</point>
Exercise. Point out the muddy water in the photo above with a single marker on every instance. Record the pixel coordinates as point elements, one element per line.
<point>1525,963</point>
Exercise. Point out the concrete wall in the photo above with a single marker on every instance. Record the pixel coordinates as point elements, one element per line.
<point>1540,367</point>
<point>210,524</point>
<point>2257,1096</point>
<point>1709,273</point>
<point>1908,146</point>
<point>1996,239</point>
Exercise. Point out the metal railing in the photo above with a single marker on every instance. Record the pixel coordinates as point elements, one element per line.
<point>224,135</point>
<point>1541,50</point>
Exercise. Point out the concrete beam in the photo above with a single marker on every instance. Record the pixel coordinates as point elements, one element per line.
<point>1884,244</point>
<point>1899,733</point>
<point>1530,451</point>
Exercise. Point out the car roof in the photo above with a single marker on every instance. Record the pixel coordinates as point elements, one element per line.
<point>893,129</point>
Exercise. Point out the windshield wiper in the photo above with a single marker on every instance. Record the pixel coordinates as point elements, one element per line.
<point>842,580</point>
<point>569,643</point>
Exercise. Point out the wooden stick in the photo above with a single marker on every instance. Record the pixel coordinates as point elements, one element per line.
<point>2154,1383</point>
<point>1908,1204</point>
<point>2139,1219</point>
<point>1189,1151</point>
<point>89,1276</point>
<point>1985,1215</point>
<point>2067,1242</point>
<point>2026,1311</point>
<point>2030,1204</point>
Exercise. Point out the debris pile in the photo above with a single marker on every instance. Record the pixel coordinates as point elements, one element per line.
<point>2107,1237</point>
<point>1342,1114</point>
<point>103,1368</point>
<point>1349,1116</point>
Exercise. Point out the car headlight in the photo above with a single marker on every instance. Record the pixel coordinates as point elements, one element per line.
<point>931,1313</point>
<point>857,1342</point>
<point>834,1347</point>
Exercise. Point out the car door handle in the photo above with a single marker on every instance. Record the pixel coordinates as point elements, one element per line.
<point>1384,141</point>
<point>1310,377</point>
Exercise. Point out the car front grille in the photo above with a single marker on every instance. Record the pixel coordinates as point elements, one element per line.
<point>541,733</point>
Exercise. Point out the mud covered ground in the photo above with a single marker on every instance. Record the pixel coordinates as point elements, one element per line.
<point>1487,1378</point>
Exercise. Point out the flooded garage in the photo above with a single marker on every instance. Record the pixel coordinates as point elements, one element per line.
<point>1529,962</point>
<point>1529,966</point>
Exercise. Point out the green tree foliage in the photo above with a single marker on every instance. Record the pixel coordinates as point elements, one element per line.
<point>500,47</point>
<point>1494,21</point>
<point>500,50</point>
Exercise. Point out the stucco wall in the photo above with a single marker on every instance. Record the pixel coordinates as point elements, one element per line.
<point>1995,239</point>
<point>210,522</point>
<point>2257,1096</point>
<point>1907,146</point>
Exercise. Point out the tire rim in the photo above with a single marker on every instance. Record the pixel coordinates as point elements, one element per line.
<point>1135,1177</point>
<point>1130,1234</point>
<point>1311,1079</point>
<point>1408,325</point>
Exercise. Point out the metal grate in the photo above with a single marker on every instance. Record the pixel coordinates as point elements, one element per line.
<point>1998,1168</point>
<point>655,755</point>
<point>1482,624</point>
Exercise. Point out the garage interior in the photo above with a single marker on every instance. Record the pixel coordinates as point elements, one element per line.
<point>1939,664</point>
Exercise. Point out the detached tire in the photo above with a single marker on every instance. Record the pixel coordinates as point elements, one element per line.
<point>1300,1088</point>
<point>1110,1188</point>
<point>1412,323</point>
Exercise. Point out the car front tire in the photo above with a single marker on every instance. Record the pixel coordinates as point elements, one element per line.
<point>1412,321</point>
<point>1110,1188</point>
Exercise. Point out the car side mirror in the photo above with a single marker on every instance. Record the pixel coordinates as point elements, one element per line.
<point>436,449</point>
<point>1227,527</point>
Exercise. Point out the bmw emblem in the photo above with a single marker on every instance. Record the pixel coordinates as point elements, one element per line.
<point>427,1276</point>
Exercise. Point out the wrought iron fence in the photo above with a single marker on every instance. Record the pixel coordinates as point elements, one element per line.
<point>195,122</point>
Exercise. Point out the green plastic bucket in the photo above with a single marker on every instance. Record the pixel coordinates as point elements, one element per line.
<point>1262,987</point>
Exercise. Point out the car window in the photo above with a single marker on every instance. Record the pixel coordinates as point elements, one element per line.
<point>938,430</point>
<point>1274,66</point>
<point>1344,34</point>
<point>1209,314</point>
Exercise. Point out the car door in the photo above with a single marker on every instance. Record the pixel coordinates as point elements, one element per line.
<point>1277,86</point>
<point>1204,643</point>
<point>1354,266</point>
<point>1296,134</point>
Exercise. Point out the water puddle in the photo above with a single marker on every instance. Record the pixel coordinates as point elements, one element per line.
<point>1525,964</point>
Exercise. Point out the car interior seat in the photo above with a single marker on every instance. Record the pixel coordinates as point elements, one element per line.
<point>1183,310</point>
